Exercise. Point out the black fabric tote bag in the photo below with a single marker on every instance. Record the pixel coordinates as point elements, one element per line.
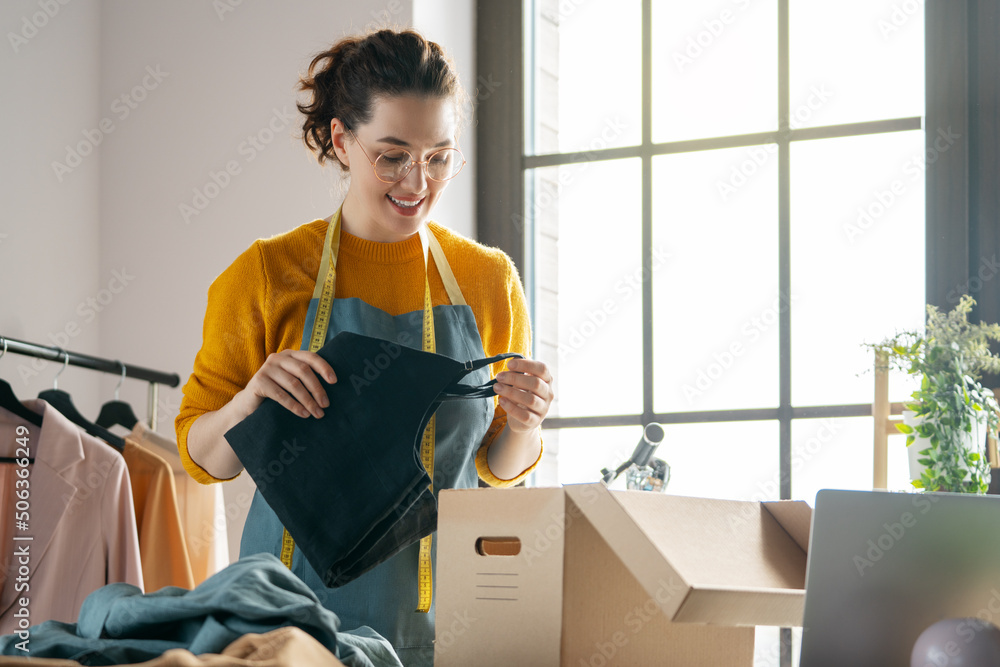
<point>350,487</point>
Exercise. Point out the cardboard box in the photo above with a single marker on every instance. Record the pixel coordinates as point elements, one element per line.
<point>585,576</point>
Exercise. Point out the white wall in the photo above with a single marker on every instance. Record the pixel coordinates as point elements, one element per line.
<point>50,229</point>
<point>453,26</point>
<point>181,86</point>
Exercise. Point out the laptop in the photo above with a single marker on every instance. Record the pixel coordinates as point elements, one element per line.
<point>884,566</point>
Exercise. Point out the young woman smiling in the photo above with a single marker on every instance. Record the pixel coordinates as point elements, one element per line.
<point>385,107</point>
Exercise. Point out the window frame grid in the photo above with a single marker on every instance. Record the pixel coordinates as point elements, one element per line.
<point>783,137</point>
<point>960,199</point>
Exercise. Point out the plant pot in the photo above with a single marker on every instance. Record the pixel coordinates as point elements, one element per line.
<point>975,441</point>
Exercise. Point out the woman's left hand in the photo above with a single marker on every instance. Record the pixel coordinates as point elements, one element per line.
<point>525,390</point>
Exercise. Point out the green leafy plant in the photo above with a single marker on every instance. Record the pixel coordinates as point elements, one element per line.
<point>949,356</point>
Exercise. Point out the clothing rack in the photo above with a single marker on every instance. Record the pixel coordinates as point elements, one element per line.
<point>154,377</point>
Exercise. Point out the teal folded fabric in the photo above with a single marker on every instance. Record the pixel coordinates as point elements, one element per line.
<point>119,624</point>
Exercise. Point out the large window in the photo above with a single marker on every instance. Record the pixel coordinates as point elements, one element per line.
<point>714,204</point>
<point>723,201</point>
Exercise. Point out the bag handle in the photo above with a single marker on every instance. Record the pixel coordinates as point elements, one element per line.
<point>457,391</point>
<point>479,363</point>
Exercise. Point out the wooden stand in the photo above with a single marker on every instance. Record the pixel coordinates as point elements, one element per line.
<point>885,425</point>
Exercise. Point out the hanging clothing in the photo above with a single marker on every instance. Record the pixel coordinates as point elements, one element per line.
<point>202,508</point>
<point>80,519</point>
<point>120,625</point>
<point>162,548</point>
<point>258,305</point>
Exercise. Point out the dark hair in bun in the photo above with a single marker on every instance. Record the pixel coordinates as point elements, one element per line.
<point>344,81</point>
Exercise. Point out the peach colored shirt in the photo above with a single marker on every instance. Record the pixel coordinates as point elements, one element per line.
<point>202,508</point>
<point>162,547</point>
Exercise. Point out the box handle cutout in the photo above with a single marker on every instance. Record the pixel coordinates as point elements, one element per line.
<point>498,546</point>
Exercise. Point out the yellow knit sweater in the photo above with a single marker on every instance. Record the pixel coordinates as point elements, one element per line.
<point>258,306</point>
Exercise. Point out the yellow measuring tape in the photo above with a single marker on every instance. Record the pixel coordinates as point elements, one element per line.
<point>424,575</point>
<point>325,292</point>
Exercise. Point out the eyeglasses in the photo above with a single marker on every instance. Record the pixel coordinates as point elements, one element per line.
<point>394,164</point>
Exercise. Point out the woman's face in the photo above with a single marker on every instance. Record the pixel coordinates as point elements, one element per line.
<point>421,125</point>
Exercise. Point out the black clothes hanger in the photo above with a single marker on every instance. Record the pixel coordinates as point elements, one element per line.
<point>62,402</point>
<point>117,412</point>
<point>9,401</point>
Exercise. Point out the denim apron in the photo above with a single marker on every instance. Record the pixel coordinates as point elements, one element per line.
<point>385,598</point>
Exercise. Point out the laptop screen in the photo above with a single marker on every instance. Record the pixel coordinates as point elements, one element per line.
<point>884,566</point>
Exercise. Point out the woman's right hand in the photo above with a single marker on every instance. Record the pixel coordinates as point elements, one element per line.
<point>290,378</point>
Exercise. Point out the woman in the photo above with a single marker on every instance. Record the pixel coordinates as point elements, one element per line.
<point>386,108</point>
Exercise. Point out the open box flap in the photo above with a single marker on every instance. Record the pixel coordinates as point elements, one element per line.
<point>614,526</point>
<point>710,547</point>
<point>795,516</point>
<point>749,606</point>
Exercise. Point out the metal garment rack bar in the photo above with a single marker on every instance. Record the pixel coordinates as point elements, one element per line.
<point>114,367</point>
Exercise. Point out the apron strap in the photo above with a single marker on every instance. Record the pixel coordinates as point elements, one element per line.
<point>444,268</point>
<point>331,248</point>
<point>428,241</point>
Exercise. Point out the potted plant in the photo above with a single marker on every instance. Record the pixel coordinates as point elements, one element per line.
<point>951,404</point>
